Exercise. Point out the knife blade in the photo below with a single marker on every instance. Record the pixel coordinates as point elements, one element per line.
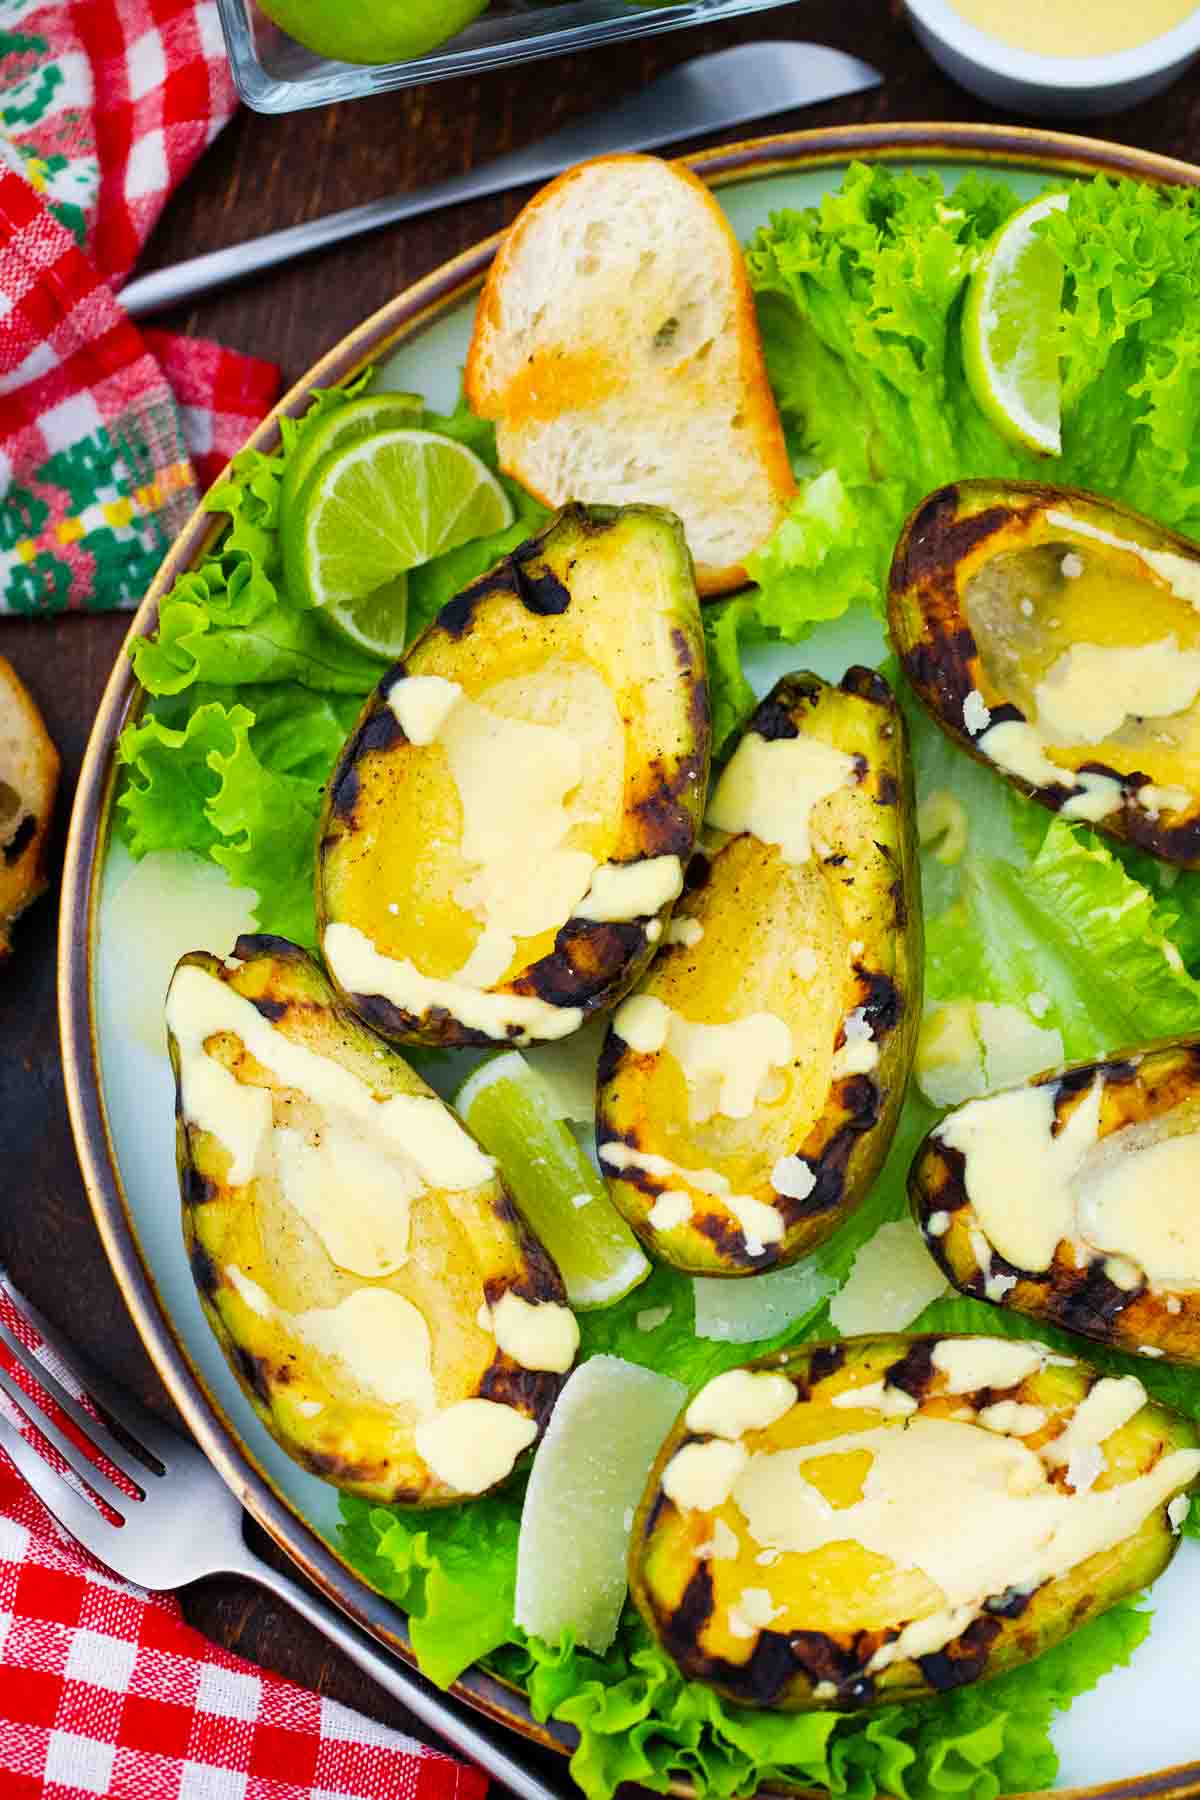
<point>707,93</point>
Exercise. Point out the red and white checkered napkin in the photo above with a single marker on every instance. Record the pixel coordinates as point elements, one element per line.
<point>105,1690</point>
<point>106,432</point>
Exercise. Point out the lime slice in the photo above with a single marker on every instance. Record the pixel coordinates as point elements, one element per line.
<point>589,1473</point>
<point>513,1114</point>
<point>346,425</point>
<point>1010,330</point>
<point>374,509</point>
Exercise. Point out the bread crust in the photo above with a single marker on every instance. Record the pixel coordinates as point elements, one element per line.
<point>757,401</point>
<point>29,768</point>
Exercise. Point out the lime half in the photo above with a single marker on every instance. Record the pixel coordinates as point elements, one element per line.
<point>589,1473</point>
<point>1010,330</point>
<point>374,509</point>
<point>514,1114</point>
<point>346,425</point>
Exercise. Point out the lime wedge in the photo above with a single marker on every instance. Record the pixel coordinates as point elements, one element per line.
<point>1010,331</point>
<point>376,508</point>
<point>357,419</point>
<point>376,623</point>
<point>589,1473</point>
<point>513,1114</point>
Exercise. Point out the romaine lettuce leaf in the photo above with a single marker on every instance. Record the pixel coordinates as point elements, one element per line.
<point>860,302</point>
<point>253,695</point>
<point>453,1572</point>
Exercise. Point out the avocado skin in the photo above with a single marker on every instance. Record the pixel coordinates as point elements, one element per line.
<point>593,962</point>
<point>675,1596</point>
<point>359,1450</point>
<point>1139,1084</point>
<point>942,545</point>
<point>847,1144</point>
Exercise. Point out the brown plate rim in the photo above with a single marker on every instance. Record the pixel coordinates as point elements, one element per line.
<point>401,319</point>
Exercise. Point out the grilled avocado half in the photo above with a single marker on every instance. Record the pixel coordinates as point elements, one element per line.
<point>509,823</point>
<point>1072,1199</point>
<point>884,1518</point>
<point>1055,636</point>
<point>394,1324</point>
<point>749,1088</point>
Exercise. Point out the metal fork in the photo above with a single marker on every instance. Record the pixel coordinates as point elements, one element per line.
<point>186,1524</point>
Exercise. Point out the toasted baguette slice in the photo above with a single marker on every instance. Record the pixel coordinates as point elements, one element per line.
<point>28,781</point>
<point>617,349</point>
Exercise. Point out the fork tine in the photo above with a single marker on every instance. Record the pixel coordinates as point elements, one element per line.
<point>130,1466</point>
<point>122,1409</point>
<point>73,1512</point>
<point>76,1460</point>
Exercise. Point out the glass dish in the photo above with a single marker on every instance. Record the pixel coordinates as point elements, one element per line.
<point>274,74</point>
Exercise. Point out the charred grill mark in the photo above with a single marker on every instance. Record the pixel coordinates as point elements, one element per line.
<point>611,1052</point>
<point>436,1026</point>
<point>637,1178</point>
<point>589,954</point>
<point>726,1235</point>
<point>274,1010</point>
<point>196,1189</point>
<point>20,839</point>
<point>205,1273</point>
<point>1090,1305</point>
<point>883,1006</point>
<point>343,1473</point>
<point>868,684</point>
<point>825,1361</point>
<point>458,615</point>
<point>527,1391</point>
<point>938,539</point>
<point>697,874</point>
<point>963,1660</point>
<point>860,1098</point>
<point>1117,1074</point>
<point>379,733</point>
<point>503,1209</point>
<point>253,944</point>
<point>344,787</point>
<point>889,791</point>
<point>1010,1604</point>
<point>699,712</point>
<point>914,1371</point>
<point>682,1628</point>
<point>254,1372</point>
<point>541,1282</point>
<point>664,820</point>
<point>947,1178</point>
<point>773,720</point>
<point>771,1665</point>
<point>899,904</point>
<point>685,654</point>
<point>542,593</point>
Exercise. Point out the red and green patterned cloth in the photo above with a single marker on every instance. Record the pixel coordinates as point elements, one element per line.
<point>107,433</point>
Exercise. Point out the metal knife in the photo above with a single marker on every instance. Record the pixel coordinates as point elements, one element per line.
<point>708,93</point>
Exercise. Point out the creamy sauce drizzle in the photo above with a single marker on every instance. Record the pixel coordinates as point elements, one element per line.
<point>390,1149</point>
<point>769,788</point>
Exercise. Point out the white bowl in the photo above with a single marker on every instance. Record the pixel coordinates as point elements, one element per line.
<point>1063,87</point>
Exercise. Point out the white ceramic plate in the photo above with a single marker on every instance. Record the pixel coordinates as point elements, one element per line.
<point>134,946</point>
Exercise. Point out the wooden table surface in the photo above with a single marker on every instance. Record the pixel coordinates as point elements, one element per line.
<point>268,172</point>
